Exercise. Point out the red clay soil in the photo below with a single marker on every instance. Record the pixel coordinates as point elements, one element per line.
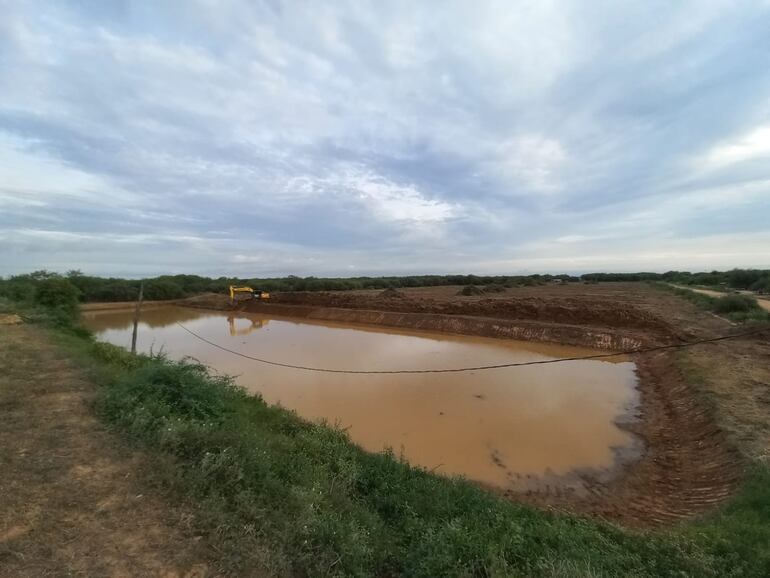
<point>688,464</point>
<point>564,310</point>
<point>572,320</point>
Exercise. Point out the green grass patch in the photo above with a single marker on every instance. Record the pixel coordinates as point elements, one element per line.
<point>739,534</point>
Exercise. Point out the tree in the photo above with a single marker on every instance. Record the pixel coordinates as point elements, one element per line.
<point>58,295</point>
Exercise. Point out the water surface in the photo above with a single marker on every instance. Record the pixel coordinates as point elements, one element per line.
<point>502,427</point>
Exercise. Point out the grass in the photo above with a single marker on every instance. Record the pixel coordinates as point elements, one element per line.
<point>277,493</point>
<point>737,308</point>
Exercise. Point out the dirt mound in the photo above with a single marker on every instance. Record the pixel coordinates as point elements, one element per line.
<point>391,293</point>
<point>469,290</point>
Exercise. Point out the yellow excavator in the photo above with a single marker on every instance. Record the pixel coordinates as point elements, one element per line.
<point>257,294</point>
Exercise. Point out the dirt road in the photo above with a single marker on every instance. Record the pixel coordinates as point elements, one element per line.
<point>72,499</point>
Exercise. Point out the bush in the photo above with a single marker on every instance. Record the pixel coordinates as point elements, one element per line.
<point>469,290</point>
<point>114,292</point>
<point>117,356</point>
<point>735,304</point>
<point>743,278</point>
<point>160,290</point>
<point>59,296</point>
<point>761,285</point>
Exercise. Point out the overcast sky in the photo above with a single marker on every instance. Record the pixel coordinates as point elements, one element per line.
<point>348,138</point>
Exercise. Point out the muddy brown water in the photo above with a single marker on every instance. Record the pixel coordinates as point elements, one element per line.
<point>510,428</point>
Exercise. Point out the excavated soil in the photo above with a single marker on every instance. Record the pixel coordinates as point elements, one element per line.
<point>563,310</point>
<point>690,464</point>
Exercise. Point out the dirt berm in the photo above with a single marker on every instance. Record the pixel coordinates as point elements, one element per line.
<point>581,322</point>
<point>563,310</point>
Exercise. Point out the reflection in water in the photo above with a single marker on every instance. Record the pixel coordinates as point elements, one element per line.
<point>497,427</point>
<point>154,317</point>
<point>253,325</point>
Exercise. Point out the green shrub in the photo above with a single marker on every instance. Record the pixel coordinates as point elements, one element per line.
<point>163,289</point>
<point>114,292</point>
<point>762,284</point>
<point>117,356</point>
<point>735,304</point>
<point>59,297</point>
<point>18,289</point>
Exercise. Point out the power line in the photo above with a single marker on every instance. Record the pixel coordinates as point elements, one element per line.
<point>478,368</point>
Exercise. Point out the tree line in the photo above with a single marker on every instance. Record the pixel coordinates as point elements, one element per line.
<point>746,279</point>
<point>88,288</point>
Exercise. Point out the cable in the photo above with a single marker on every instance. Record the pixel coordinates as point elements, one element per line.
<point>478,368</point>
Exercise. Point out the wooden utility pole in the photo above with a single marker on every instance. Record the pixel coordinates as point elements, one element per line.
<point>137,312</point>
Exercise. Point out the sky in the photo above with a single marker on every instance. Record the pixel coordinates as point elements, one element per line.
<point>353,138</point>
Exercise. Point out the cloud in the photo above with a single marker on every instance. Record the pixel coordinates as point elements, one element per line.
<point>534,161</point>
<point>386,200</point>
<point>35,177</point>
<point>256,138</point>
<point>752,145</point>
